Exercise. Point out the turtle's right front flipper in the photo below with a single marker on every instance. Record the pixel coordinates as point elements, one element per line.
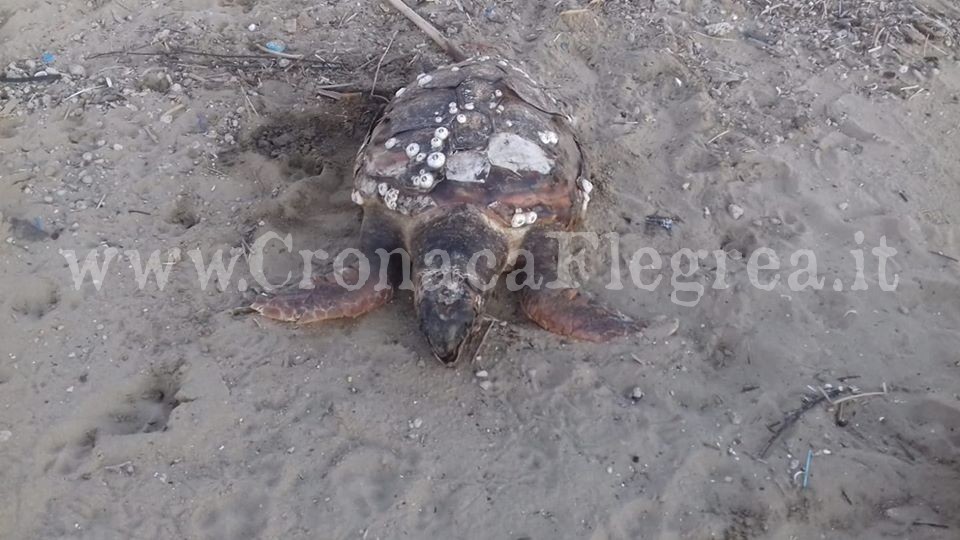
<point>329,299</point>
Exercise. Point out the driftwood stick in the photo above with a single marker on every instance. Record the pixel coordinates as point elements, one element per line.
<point>448,47</point>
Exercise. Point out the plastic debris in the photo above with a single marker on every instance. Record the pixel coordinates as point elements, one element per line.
<point>276,46</point>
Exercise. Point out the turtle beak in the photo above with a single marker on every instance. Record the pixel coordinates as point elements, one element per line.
<point>447,319</point>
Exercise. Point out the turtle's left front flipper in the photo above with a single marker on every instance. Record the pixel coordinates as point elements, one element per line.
<point>349,298</point>
<point>568,311</point>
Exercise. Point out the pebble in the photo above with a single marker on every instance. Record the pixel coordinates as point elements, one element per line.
<point>718,29</point>
<point>77,70</point>
<point>636,394</point>
<point>48,199</point>
<point>417,422</point>
<point>482,374</point>
<point>87,157</point>
<point>5,435</point>
<point>486,385</point>
<point>252,27</point>
<point>736,211</point>
<point>843,206</point>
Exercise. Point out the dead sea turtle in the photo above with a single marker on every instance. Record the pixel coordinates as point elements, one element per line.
<point>473,157</point>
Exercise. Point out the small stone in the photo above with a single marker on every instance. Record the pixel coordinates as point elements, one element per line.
<point>417,423</point>
<point>486,385</point>
<point>48,199</point>
<point>87,157</point>
<point>5,435</point>
<point>636,394</point>
<point>685,186</point>
<point>482,374</point>
<point>718,29</point>
<point>252,27</point>
<point>291,450</point>
<point>728,479</point>
<point>118,147</point>
<point>843,206</point>
<point>77,70</point>
<point>735,210</point>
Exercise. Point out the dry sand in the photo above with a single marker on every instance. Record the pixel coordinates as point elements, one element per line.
<point>129,413</point>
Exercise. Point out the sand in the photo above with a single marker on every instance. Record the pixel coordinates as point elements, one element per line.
<point>129,412</point>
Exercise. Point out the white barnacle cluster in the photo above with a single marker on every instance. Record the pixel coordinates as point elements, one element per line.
<point>390,198</point>
<point>423,79</point>
<point>356,197</point>
<point>424,180</point>
<point>549,137</point>
<point>521,218</point>
<point>586,186</point>
<point>433,158</point>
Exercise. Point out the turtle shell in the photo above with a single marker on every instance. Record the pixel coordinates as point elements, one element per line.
<point>482,133</point>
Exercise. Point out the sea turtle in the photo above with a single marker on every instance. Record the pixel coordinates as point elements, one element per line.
<point>472,157</point>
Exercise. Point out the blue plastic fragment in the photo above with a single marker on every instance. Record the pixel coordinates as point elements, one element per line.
<point>48,58</point>
<point>276,46</point>
<point>806,468</point>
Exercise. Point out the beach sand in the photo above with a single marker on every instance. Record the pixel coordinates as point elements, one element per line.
<point>129,412</point>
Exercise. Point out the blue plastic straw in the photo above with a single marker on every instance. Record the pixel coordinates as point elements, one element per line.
<point>806,468</point>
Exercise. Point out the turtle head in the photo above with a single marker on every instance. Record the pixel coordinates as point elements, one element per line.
<point>449,310</point>
<point>458,256</point>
